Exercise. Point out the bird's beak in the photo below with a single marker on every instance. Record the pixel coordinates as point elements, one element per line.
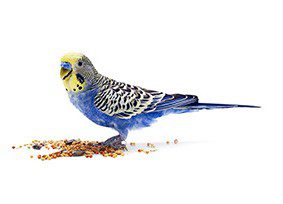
<point>66,65</point>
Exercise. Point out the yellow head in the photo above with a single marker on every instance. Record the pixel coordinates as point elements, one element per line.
<point>75,67</point>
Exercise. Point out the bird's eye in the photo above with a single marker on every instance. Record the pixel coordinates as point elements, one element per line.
<point>80,63</point>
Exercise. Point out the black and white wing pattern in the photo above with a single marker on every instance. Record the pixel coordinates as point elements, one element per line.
<point>124,100</point>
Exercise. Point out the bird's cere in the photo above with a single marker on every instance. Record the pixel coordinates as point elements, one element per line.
<point>66,65</point>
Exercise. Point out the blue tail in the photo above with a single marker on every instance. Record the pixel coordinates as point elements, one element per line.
<point>179,103</point>
<point>200,106</point>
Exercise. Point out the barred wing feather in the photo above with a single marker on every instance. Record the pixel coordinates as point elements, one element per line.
<point>124,101</point>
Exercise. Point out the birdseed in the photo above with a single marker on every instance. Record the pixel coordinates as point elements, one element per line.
<point>79,148</point>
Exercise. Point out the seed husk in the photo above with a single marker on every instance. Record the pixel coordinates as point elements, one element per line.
<point>37,146</point>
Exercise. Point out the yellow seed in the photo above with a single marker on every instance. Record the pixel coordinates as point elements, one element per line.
<point>119,152</point>
<point>31,156</point>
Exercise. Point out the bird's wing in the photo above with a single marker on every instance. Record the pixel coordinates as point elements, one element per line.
<point>124,100</point>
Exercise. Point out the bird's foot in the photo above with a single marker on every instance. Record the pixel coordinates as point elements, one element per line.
<point>115,142</point>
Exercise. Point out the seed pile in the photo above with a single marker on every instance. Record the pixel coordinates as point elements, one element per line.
<point>78,148</point>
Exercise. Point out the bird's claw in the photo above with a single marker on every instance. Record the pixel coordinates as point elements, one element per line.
<point>115,142</point>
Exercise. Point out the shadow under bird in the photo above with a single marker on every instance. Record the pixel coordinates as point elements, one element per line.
<point>118,105</point>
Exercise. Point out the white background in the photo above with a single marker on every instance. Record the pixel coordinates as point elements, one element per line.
<point>222,51</point>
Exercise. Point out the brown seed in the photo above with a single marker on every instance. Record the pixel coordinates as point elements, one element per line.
<point>74,148</point>
<point>31,156</point>
<point>167,142</point>
<point>13,147</point>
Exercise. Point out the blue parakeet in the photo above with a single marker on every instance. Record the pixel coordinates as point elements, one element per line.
<point>118,105</point>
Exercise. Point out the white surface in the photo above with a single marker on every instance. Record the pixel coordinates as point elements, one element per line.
<point>229,52</point>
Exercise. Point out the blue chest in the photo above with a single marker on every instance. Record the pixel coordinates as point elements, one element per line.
<point>84,101</point>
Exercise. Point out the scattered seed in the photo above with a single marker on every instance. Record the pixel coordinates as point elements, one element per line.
<point>150,145</point>
<point>69,142</point>
<point>37,146</point>
<point>78,153</point>
<point>77,148</point>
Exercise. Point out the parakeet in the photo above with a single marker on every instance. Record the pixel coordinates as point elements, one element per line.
<point>118,105</point>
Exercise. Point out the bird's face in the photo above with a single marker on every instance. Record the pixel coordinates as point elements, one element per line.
<point>74,69</point>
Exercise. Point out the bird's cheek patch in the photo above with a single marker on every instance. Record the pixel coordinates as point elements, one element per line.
<point>75,85</point>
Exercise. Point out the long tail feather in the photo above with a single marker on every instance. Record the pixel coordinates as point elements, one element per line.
<point>199,106</point>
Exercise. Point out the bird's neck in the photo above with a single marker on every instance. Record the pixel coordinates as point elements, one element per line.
<point>102,82</point>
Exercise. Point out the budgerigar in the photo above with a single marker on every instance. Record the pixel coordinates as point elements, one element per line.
<point>118,105</point>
